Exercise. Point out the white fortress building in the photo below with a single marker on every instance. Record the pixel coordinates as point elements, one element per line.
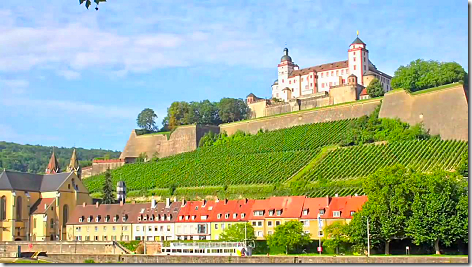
<point>293,82</point>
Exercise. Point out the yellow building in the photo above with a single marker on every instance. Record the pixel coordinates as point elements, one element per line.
<point>110,222</point>
<point>36,207</point>
<point>228,212</point>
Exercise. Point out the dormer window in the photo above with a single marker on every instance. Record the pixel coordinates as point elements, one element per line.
<point>235,215</point>
<point>279,212</point>
<point>186,217</point>
<point>193,217</point>
<point>115,218</point>
<point>352,213</point>
<point>243,215</point>
<point>204,217</point>
<point>81,219</point>
<point>258,212</point>
<point>139,218</point>
<point>125,217</point>
<point>145,218</point>
<point>305,212</point>
<point>181,217</point>
<point>271,212</point>
<point>226,215</point>
<point>107,218</point>
<point>322,212</point>
<point>336,214</point>
<point>164,217</point>
<point>169,217</point>
<point>152,218</point>
<point>196,207</point>
<point>97,219</point>
<point>210,208</point>
<point>89,219</point>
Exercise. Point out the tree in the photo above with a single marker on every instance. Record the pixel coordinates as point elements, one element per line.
<point>142,157</point>
<point>336,235</point>
<point>375,88</point>
<point>420,74</point>
<point>231,109</point>
<point>388,206</point>
<point>463,168</point>
<point>288,235</point>
<point>437,210</point>
<point>108,197</point>
<point>177,114</point>
<point>88,3</point>
<point>146,119</point>
<point>236,233</point>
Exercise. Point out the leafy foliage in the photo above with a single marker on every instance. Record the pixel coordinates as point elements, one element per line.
<point>237,232</point>
<point>421,74</point>
<point>35,158</point>
<point>231,109</point>
<point>108,197</point>
<point>147,119</point>
<point>335,235</point>
<point>375,88</point>
<point>289,235</point>
<point>434,209</point>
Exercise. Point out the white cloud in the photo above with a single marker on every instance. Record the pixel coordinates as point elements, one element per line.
<point>69,74</point>
<point>8,134</point>
<point>13,86</point>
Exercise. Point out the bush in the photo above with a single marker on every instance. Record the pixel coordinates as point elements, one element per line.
<point>89,261</point>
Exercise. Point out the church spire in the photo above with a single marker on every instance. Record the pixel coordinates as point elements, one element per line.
<point>74,164</point>
<point>53,166</point>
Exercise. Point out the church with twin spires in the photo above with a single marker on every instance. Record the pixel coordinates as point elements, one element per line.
<point>294,82</point>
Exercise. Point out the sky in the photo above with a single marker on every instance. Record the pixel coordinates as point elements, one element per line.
<point>76,77</point>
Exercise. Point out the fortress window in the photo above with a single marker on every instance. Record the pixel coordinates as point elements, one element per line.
<point>289,82</point>
<point>282,80</point>
<point>354,67</point>
<point>311,76</point>
<point>342,72</point>
<point>322,85</point>
<point>337,72</point>
<point>320,75</point>
<point>353,59</point>
<point>332,73</point>
<point>364,67</point>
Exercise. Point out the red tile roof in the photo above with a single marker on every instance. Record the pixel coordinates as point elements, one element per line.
<point>313,207</point>
<point>40,206</point>
<point>364,92</point>
<point>196,209</point>
<point>291,207</point>
<point>345,205</point>
<point>319,68</point>
<point>230,208</point>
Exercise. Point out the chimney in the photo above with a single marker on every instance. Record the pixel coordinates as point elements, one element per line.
<point>153,203</point>
<point>167,202</point>
<point>83,204</point>
<point>96,204</point>
<point>121,203</point>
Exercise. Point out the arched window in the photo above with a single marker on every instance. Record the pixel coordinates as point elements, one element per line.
<point>3,208</point>
<point>65,215</point>
<point>18,208</point>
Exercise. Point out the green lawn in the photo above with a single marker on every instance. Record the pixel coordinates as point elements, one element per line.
<point>22,260</point>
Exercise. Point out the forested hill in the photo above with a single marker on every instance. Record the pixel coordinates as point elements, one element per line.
<point>35,158</point>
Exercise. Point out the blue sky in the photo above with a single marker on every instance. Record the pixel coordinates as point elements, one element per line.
<point>76,77</point>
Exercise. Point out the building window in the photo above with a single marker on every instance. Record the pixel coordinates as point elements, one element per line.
<point>354,67</point>
<point>259,233</point>
<point>311,84</point>
<point>269,223</point>
<point>277,223</point>
<point>243,215</point>
<point>322,85</point>
<point>289,82</point>
<point>259,223</point>
<point>18,208</point>
<point>336,214</point>
<point>282,80</point>
<point>279,212</point>
<point>235,215</point>
<point>258,212</point>
<point>320,233</point>
<point>3,208</point>
<point>222,226</point>
<point>269,232</point>
<point>332,73</point>
<point>113,228</point>
<point>320,75</point>
<point>364,59</point>
<point>104,228</point>
<point>271,212</point>
<point>226,215</point>
<point>201,229</point>
<point>254,223</point>
<point>305,223</point>
<point>216,226</point>
<point>337,72</point>
<point>365,67</point>
<point>96,228</point>
<point>34,223</point>
<point>51,223</point>
<point>96,238</point>
<point>353,59</point>
<point>322,212</point>
<point>354,52</point>
<point>305,212</point>
<point>65,214</point>
<point>342,72</point>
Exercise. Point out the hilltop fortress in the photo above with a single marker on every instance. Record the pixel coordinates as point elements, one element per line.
<point>442,111</point>
<point>322,93</point>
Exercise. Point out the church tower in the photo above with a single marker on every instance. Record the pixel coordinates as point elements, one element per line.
<point>74,165</point>
<point>53,166</point>
<point>358,58</point>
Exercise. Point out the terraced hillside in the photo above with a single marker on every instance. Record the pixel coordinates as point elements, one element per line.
<point>264,158</point>
<point>303,159</point>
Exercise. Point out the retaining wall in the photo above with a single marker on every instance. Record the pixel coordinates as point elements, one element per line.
<point>77,258</point>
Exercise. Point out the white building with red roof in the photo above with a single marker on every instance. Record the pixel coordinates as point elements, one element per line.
<point>294,82</point>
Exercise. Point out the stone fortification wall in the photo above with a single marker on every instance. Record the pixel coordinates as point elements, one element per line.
<point>80,258</point>
<point>277,109</point>
<point>443,112</point>
<point>99,166</point>
<point>183,139</point>
<point>324,114</point>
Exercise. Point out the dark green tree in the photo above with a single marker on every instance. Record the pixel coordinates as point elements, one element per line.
<point>231,109</point>
<point>108,197</point>
<point>421,74</point>
<point>289,235</point>
<point>388,207</point>
<point>147,119</point>
<point>375,88</point>
<point>237,232</point>
<point>88,3</point>
<point>436,209</point>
